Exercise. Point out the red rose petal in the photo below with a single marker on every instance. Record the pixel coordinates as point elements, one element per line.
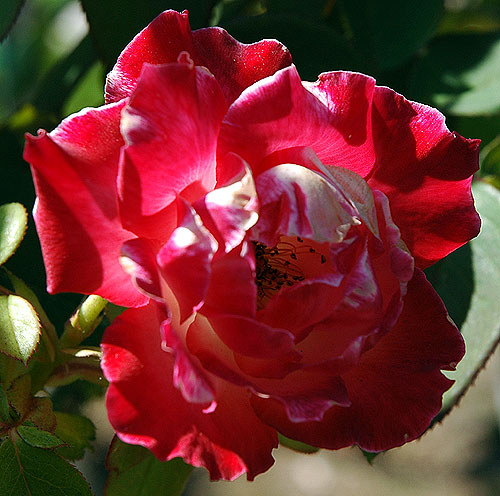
<point>228,441</point>
<point>252,338</point>
<point>235,65</point>
<point>230,210</point>
<point>184,262</point>
<point>74,169</point>
<point>139,261</point>
<point>232,285</point>
<point>188,377</point>
<point>280,112</point>
<point>305,395</point>
<point>160,42</point>
<point>425,171</point>
<point>397,387</point>
<point>168,150</point>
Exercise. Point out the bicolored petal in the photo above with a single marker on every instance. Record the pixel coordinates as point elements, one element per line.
<point>228,441</point>
<point>138,259</point>
<point>170,126</point>
<point>332,117</point>
<point>401,148</point>
<point>296,201</point>
<point>395,390</point>
<point>188,377</point>
<point>74,169</point>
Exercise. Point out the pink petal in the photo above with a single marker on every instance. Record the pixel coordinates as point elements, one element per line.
<point>230,210</point>
<point>397,387</point>
<point>425,171</point>
<point>185,261</point>
<point>235,65</point>
<point>332,117</point>
<point>160,42</point>
<point>306,395</point>
<point>138,259</point>
<point>170,126</point>
<point>74,169</point>
<point>232,284</point>
<point>252,338</point>
<point>145,407</point>
<point>188,378</point>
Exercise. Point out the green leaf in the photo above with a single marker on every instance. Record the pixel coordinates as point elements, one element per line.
<point>19,395</point>
<point>388,32</point>
<point>77,432</point>
<point>13,223</point>
<point>38,438</point>
<point>19,327</point>
<point>112,32</point>
<point>135,471</point>
<point>479,263</point>
<point>460,75</point>
<point>30,471</point>
<point>8,15</point>
<point>370,456</point>
<point>49,334</point>
<point>4,406</point>
<point>89,92</point>
<point>22,289</point>
<point>296,445</point>
<point>64,77</point>
<point>42,414</point>
<point>490,158</point>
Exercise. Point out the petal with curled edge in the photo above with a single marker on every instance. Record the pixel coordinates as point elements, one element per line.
<point>188,377</point>
<point>138,259</point>
<point>185,261</point>
<point>306,395</point>
<point>426,172</point>
<point>158,43</point>
<point>282,112</point>
<point>145,408</point>
<point>235,65</point>
<point>395,390</point>
<point>229,211</point>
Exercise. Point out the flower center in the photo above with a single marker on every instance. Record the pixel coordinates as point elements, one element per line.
<point>284,264</point>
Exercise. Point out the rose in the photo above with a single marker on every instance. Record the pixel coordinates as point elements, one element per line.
<point>270,234</point>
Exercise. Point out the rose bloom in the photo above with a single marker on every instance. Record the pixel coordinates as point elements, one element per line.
<point>269,235</point>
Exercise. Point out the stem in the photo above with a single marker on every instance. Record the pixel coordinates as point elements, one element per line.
<point>83,322</point>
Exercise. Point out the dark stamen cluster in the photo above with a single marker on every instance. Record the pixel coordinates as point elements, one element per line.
<point>276,267</point>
